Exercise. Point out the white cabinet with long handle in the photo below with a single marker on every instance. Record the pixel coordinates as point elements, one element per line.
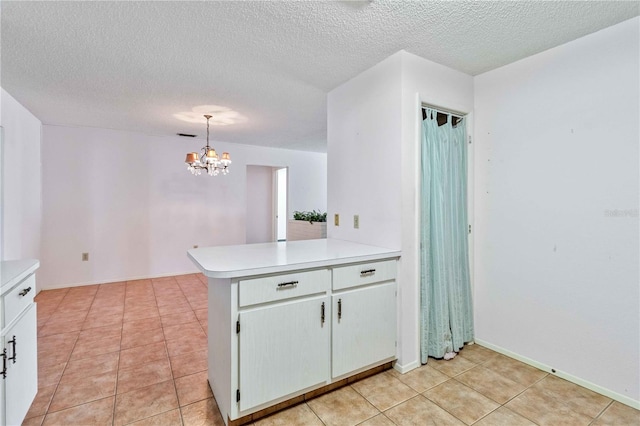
<point>19,352</point>
<point>364,328</point>
<point>364,319</point>
<point>286,319</point>
<point>283,348</point>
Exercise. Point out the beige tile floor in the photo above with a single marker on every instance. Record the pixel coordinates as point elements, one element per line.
<point>135,353</point>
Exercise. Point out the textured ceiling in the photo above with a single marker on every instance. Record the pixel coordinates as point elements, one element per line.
<point>133,65</point>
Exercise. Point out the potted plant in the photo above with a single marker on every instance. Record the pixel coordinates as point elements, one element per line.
<point>307,225</point>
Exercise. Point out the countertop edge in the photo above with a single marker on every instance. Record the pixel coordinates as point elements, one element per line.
<point>265,270</point>
<point>26,268</point>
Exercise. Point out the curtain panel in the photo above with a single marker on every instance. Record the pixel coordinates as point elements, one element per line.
<point>446,312</point>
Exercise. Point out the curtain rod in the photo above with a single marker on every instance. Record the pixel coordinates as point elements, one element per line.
<point>444,111</point>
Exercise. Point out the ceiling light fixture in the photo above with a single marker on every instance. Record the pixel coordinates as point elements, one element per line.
<point>220,115</point>
<point>208,159</point>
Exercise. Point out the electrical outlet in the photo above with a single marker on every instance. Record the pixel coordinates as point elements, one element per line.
<point>336,219</point>
<point>195,246</point>
<point>85,257</point>
<point>356,221</point>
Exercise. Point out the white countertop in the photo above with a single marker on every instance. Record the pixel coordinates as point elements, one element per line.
<point>14,271</point>
<point>256,259</point>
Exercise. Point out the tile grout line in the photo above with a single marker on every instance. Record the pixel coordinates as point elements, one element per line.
<point>48,411</point>
<point>115,390</point>
<point>66,364</point>
<point>115,396</point>
<point>173,379</point>
<point>92,301</point>
<point>602,412</point>
<point>463,384</point>
<point>167,354</point>
<point>394,405</point>
<point>458,418</point>
<point>453,378</point>
<point>37,354</point>
<point>562,403</point>
<point>513,397</point>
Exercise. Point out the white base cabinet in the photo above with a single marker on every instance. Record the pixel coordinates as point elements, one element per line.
<point>21,381</point>
<point>283,348</point>
<point>18,350</point>
<point>364,328</point>
<point>277,336</point>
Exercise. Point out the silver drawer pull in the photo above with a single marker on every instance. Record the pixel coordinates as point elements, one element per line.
<point>287,284</point>
<point>25,291</point>
<point>367,272</point>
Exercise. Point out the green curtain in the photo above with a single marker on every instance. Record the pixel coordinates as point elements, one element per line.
<point>446,311</point>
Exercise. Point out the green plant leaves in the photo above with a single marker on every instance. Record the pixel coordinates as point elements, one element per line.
<point>312,216</point>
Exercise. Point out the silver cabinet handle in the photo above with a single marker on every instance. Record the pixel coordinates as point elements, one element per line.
<point>367,272</point>
<point>13,343</point>
<point>4,363</point>
<point>290,283</point>
<point>25,291</point>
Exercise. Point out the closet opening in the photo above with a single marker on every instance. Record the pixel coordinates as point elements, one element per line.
<point>446,311</point>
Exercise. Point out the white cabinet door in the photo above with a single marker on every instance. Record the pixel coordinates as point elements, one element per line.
<point>364,327</point>
<point>21,383</point>
<point>283,348</point>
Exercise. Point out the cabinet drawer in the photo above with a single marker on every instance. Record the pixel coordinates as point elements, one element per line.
<point>280,287</point>
<point>363,273</point>
<point>18,298</point>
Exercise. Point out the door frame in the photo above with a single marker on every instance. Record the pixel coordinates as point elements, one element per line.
<point>275,202</point>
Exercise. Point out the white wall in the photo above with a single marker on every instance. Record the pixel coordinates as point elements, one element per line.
<point>260,223</point>
<point>127,199</point>
<point>373,165</point>
<point>363,152</point>
<point>21,180</point>
<point>556,145</point>
<point>425,82</point>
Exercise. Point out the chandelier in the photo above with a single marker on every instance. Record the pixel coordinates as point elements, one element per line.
<point>208,159</point>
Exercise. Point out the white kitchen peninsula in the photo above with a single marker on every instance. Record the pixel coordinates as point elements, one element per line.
<point>289,318</point>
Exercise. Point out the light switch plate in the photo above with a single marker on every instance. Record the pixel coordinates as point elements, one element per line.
<point>356,221</point>
<point>336,219</point>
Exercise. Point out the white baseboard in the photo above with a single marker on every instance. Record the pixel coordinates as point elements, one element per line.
<point>563,375</point>
<point>407,367</point>
<point>115,280</point>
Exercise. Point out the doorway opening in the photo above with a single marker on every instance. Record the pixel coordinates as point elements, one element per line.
<point>266,214</point>
<point>280,203</point>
